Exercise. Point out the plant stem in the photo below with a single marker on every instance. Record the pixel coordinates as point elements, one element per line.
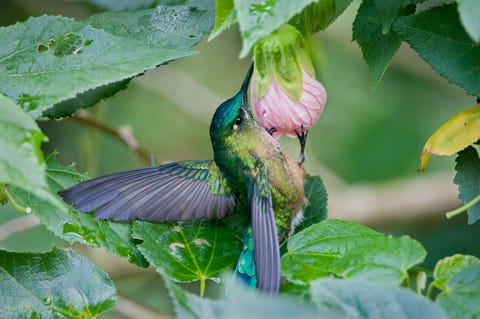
<point>465,207</point>
<point>20,208</point>
<point>202,287</point>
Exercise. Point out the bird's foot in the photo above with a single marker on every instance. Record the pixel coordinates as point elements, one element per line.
<point>271,130</point>
<point>302,137</point>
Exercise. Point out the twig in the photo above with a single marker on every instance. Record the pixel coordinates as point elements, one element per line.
<point>123,133</point>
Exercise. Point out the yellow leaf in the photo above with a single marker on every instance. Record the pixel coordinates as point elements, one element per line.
<point>456,134</point>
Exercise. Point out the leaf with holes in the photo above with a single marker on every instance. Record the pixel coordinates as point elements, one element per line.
<point>74,226</point>
<point>43,51</point>
<point>56,284</point>
<point>189,251</point>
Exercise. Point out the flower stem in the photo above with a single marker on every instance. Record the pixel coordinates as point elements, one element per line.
<point>465,207</point>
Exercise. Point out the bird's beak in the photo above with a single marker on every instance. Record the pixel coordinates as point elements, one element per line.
<point>244,88</point>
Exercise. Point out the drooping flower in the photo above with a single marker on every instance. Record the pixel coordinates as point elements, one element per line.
<point>285,93</point>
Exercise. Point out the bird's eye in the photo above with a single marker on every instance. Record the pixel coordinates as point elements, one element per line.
<point>238,122</point>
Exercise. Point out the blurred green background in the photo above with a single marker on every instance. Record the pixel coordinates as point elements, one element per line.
<point>366,145</point>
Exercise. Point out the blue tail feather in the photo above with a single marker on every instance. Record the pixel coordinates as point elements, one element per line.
<point>245,269</point>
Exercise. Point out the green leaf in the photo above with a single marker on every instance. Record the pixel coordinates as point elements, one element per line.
<point>349,250</point>
<point>461,294</point>
<point>118,5</point>
<point>44,51</point>
<point>225,16</point>
<point>315,17</point>
<point>439,38</point>
<point>74,226</point>
<point>86,99</point>
<point>386,260</point>
<point>469,11</point>
<point>317,196</point>
<point>388,11</point>
<point>341,6</point>
<point>258,18</point>
<point>189,251</point>
<point>336,298</point>
<point>21,160</point>
<point>378,49</point>
<point>448,267</point>
<point>239,303</point>
<point>122,4</point>
<point>56,284</point>
<point>468,180</point>
<point>311,252</point>
<point>175,27</point>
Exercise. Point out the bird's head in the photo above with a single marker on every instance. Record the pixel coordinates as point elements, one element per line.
<point>232,116</point>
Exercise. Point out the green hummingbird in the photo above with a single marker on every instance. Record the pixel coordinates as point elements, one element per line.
<point>250,169</point>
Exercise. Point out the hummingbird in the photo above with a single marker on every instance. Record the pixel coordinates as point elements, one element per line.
<point>250,170</point>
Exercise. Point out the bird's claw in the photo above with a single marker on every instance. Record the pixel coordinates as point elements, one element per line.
<point>271,130</point>
<point>302,137</point>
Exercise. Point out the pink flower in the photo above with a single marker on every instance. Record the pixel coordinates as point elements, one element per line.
<point>276,109</point>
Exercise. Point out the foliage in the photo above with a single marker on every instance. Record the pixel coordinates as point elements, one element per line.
<point>51,66</point>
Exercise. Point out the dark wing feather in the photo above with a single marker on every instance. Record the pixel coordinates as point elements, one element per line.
<point>266,246</point>
<point>185,190</point>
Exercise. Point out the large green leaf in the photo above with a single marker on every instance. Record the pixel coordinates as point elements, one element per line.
<point>439,38</point>
<point>448,267</point>
<point>189,251</point>
<point>336,298</point>
<point>143,4</point>
<point>21,160</point>
<point>386,260</point>
<point>468,180</point>
<point>239,303</point>
<point>258,18</point>
<point>462,293</point>
<point>469,11</point>
<point>311,252</point>
<point>349,250</point>
<point>42,52</point>
<point>378,49</point>
<point>317,196</point>
<point>56,284</point>
<point>176,27</point>
<point>74,226</point>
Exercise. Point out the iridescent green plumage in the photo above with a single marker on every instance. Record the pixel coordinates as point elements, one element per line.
<point>250,169</point>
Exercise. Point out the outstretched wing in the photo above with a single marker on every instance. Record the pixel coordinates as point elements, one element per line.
<point>184,190</point>
<point>265,238</point>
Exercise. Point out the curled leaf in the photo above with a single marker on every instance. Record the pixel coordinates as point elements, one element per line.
<point>456,134</point>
